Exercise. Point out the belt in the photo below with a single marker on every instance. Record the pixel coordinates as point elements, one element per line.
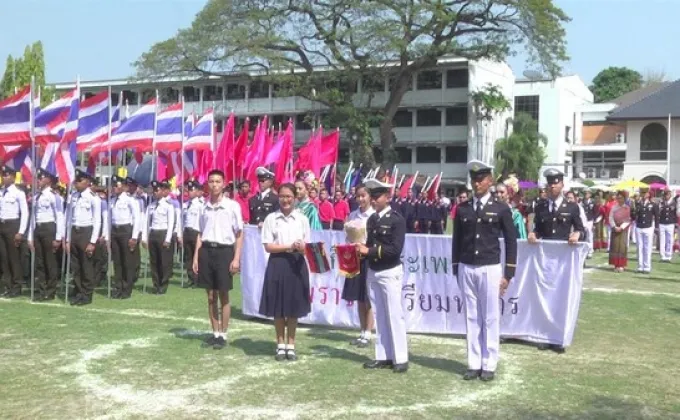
<point>80,228</point>
<point>215,245</point>
<point>8,220</point>
<point>122,226</point>
<point>45,223</point>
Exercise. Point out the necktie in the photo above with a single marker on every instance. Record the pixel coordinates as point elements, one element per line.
<point>479,206</point>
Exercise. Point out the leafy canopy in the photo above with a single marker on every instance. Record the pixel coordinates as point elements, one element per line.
<point>523,151</point>
<point>613,82</point>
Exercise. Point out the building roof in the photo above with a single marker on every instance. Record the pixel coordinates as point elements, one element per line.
<point>651,104</point>
<point>638,94</point>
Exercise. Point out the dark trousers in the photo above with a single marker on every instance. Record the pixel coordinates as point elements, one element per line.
<point>436,227</point>
<point>82,265</point>
<point>338,225</point>
<point>12,270</point>
<point>124,266</point>
<point>46,267</point>
<point>190,237</point>
<point>160,259</point>
<point>326,225</point>
<point>101,263</point>
<point>137,258</point>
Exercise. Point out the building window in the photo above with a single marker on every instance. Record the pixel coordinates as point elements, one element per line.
<point>88,95</point>
<point>654,142</point>
<point>219,126</point>
<point>301,122</point>
<point>403,118</point>
<point>456,154</point>
<point>528,105</point>
<point>259,89</point>
<point>457,78</point>
<point>372,84</point>
<point>115,97</point>
<point>429,117</point>
<point>457,115</point>
<point>403,154</point>
<point>130,97</point>
<point>147,95</point>
<point>429,80</point>
<point>378,154</point>
<point>212,93</point>
<point>279,120</point>
<point>169,95</point>
<point>393,81</point>
<point>191,94</point>
<point>428,154</point>
<point>236,91</point>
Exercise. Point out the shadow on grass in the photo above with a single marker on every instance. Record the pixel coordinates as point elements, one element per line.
<point>438,363</point>
<point>340,353</point>
<point>188,334</point>
<point>252,347</point>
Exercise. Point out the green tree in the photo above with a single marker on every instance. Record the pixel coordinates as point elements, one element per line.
<point>7,83</point>
<point>374,38</point>
<point>613,82</point>
<point>523,151</point>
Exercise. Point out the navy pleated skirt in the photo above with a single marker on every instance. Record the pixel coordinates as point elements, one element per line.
<point>355,288</point>
<point>285,293</point>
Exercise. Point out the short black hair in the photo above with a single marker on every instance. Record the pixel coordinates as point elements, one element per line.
<point>246,182</point>
<point>216,172</point>
<point>287,185</point>
<point>360,186</point>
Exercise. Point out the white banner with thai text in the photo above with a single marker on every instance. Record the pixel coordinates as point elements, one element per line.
<point>541,304</point>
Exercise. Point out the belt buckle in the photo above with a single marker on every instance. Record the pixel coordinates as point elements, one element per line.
<point>212,244</point>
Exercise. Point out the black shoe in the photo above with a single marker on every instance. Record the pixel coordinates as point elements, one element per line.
<point>75,299</point>
<point>379,364</point>
<point>125,296</point>
<point>86,300</point>
<point>209,342</point>
<point>48,298</point>
<point>14,294</point>
<point>356,341</point>
<point>363,343</point>
<point>472,374</point>
<point>400,367</point>
<point>487,376</point>
<point>280,355</point>
<point>290,355</point>
<point>219,343</point>
<point>543,346</point>
<point>557,349</point>
<point>189,285</point>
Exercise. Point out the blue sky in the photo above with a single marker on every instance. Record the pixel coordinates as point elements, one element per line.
<point>98,39</point>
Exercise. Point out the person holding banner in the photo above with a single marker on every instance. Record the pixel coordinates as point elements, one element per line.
<point>386,234</point>
<point>477,265</point>
<point>285,292</point>
<point>355,288</point>
<point>218,254</point>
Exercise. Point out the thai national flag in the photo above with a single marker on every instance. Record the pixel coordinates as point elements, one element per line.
<point>15,118</point>
<point>137,131</point>
<point>65,159</point>
<point>52,123</point>
<point>93,127</point>
<point>169,129</point>
<point>202,137</point>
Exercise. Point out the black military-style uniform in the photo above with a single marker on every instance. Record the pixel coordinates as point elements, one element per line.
<point>395,204</point>
<point>589,209</point>
<point>646,214</point>
<point>408,211</point>
<point>423,215</point>
<point>476,233</point>
<point>261,207</point>
<point>557,223</point>
<point>385,240</point>
<point>668,212</point>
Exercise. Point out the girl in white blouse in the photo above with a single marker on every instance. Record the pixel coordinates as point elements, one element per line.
<point>355,288</point>
<point>285,293</point>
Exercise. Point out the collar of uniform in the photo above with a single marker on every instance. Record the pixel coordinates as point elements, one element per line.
<point>265,192</point>
<point>11,187</point>
<point>293,214</point>
<point>369,211</point>
<point>485,199</point>
<point>47,189</point>
<point>558,201</point>
<point>220,204</point>
<point>384,211</point>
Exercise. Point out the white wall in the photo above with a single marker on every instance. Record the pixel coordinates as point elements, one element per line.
<point>559,101</point>
<point>482,74</point>
<point>637,169</point>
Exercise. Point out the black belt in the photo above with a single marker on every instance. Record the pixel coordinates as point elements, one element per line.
<point>9,220</point>
<point>45,223</point>
<point>80,228</point>
<point>215,245</point>
<point>121,226</point>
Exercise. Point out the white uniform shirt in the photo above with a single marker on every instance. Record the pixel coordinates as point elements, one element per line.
<point>220,222</point>
<point>13,206</point>
<point>284,230</point>
<point>84,210</point>
<point>50,209</point>
<point>125,211</point>
<point>160,216</point>
<point>106,234</point>
<point>362,217</point>
<point>192,213</point>
<point>178,217</point>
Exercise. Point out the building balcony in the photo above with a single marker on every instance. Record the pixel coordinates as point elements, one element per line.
<point>600,172</point>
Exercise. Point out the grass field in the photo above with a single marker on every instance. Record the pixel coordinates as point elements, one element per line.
<point>142,358</point>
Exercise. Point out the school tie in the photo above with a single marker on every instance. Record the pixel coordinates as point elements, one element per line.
<point>479,206</point>
<point>554,207</point>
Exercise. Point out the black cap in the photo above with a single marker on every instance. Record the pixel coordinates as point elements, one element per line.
<point>263,173</point>
<point>553,176</point>
<point>478,168</point>
<point>193,185</point>
<point>118,180</point>
<point>80,175</point>
<point>42,173</point>
<point>131,181</point>
<point>7,170</point>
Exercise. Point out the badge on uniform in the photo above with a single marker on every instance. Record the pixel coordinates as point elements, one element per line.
<point>348,260</point>
<point>316,257</point>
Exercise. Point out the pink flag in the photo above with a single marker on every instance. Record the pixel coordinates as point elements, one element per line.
<point>284,164</point>
<point>328,153</point>
<point>224,153</point>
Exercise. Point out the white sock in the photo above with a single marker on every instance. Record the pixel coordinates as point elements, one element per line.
<point>363,334</point>
<point>216,334</point>
<point>367,335</point>
<point>223,335</point>
<point>280,347</point>
<point>290,347</point>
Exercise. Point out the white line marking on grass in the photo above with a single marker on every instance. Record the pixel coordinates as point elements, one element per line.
<point>630,291</point>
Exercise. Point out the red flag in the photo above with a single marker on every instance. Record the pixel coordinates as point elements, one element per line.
<point>284,165</point>
<point>225,153</point>
<point>434,187</point>
<point>408,184</point>
<point>240,149</point>
<point>328,153</point>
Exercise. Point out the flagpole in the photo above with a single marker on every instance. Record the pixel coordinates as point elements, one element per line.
<point>153,141</point>
<point>68,243</point>
<point>34,184</point>
<point>668,172</point>
<point>181,195</point>
<point>108,198</point>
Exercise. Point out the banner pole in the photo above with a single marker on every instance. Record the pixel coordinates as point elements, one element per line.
<point>181,197</point>
<point>108,200</point>
<point>34,184</point>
